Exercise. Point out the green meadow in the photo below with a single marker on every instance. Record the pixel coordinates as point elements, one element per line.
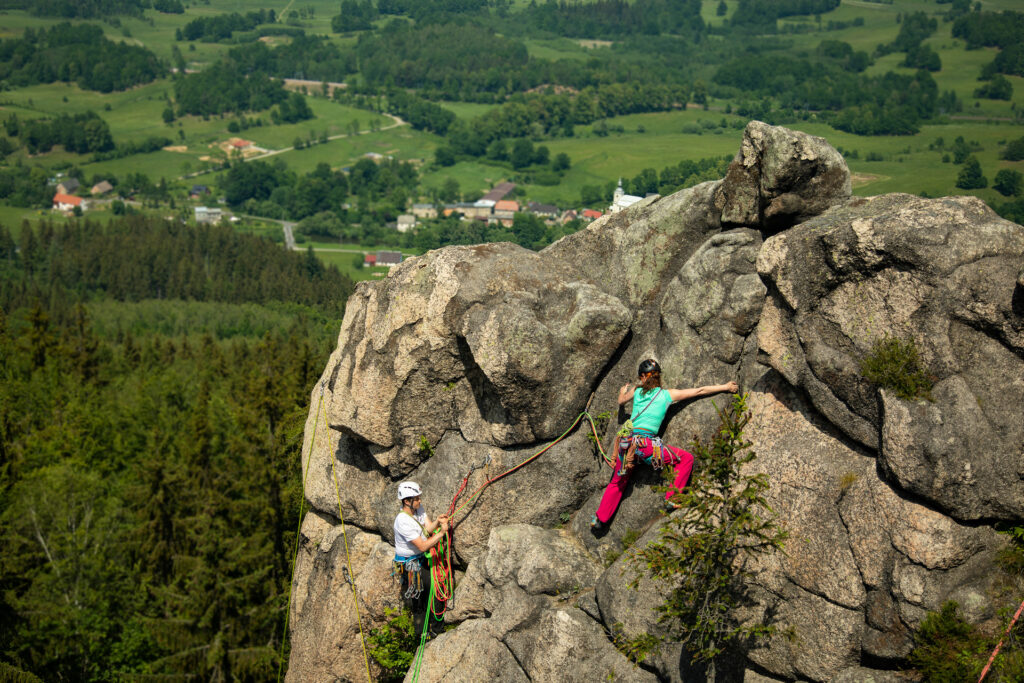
<point>635,142</point>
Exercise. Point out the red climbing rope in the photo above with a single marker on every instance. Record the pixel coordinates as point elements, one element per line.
<point>442,577</point>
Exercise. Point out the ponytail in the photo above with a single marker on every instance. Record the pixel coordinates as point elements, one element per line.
<point>652,382</point>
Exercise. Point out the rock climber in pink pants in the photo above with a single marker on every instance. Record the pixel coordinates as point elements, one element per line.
<point>650,403</point>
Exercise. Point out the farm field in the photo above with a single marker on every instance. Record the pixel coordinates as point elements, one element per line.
<point>655,140</point>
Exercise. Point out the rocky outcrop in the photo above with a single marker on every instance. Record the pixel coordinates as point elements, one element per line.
<point>466,361</point>
<point>781,177</point>
<point>942,273</point>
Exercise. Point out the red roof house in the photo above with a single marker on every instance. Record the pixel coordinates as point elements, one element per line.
<point>67,202</point>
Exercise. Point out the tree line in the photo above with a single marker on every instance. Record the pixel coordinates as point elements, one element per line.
<point>78,54</point>
<point>756,14</point>
<point>613,19</point>
<point>138,258</point>
<point>227,86</point>
<point>78,9</point>
<point>222,26</point>
<point>381,191</point>
<point>890,104</point>
<point>994,29</point>
<point>78,133</point>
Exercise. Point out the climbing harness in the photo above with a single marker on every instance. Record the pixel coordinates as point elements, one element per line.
<point>412,569</point>
<point>632,439</point>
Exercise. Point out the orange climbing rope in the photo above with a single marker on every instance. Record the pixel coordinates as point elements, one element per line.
<point>442,583</point>
<point>999,646</point>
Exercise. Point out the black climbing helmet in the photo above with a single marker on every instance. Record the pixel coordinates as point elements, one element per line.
<point>649,365</point>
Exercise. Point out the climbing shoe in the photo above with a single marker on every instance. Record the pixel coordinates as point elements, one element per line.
<point>596,525</point>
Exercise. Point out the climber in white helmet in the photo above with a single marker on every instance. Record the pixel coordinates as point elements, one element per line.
<point>414,535</point>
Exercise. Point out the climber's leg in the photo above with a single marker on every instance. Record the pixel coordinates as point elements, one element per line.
<point>682,462</point>
<point>613,492</point>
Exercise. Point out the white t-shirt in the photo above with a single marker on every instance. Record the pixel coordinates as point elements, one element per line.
<point>406,530</point>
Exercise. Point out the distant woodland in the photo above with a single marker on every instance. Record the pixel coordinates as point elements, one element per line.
<point>148,450</point>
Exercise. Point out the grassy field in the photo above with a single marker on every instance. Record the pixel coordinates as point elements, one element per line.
<point>467,110</point>
<point>646,140</point>
<point>346,256</point>
<point>474,178</point>
<point>907,164</point>
<point>555,48</point>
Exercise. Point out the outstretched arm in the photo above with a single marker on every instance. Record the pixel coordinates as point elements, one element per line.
<point>625,394</point>
<point>700,392</point>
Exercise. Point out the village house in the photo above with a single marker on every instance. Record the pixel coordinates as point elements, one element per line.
<point>198,191</point>
<point>406,222</point>
<point>67,202</point>
<point>388,258</point>
<point>424,211</point>
<point>569,215</point>
<point>101,188</point>
<point>370,260</point>
<point>505,211</point>
<point>591,214</point>
<point>549,212</point>
<point>68,186</point>
<point>206,214</point>
<point>478,209</point>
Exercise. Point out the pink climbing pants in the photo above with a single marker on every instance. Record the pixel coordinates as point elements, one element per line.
<point>681,460</point>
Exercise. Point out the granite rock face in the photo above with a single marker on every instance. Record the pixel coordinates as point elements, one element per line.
<point>942,273</point>
<point>467,361</point>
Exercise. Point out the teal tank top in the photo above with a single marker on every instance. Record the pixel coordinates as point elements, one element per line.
<point>651,407</point>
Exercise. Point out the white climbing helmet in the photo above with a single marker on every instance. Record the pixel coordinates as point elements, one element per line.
<point>408,489</point>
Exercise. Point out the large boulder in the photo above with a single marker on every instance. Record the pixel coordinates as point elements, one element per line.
<point>327,621</point>
<point>941,273</point>
<point>499,603</point>
<point>781,177</point>
<point>467,362</point>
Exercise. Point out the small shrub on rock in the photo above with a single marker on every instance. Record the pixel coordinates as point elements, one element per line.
<point>893,364</point>
<point>393,644</point>
<point>940,644</point>
<point>722,520</point>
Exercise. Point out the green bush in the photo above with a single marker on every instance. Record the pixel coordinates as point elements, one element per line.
<point>393,644</point>
<point>947,649</point>
<point>893,364</point>
<point>940,645</point>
